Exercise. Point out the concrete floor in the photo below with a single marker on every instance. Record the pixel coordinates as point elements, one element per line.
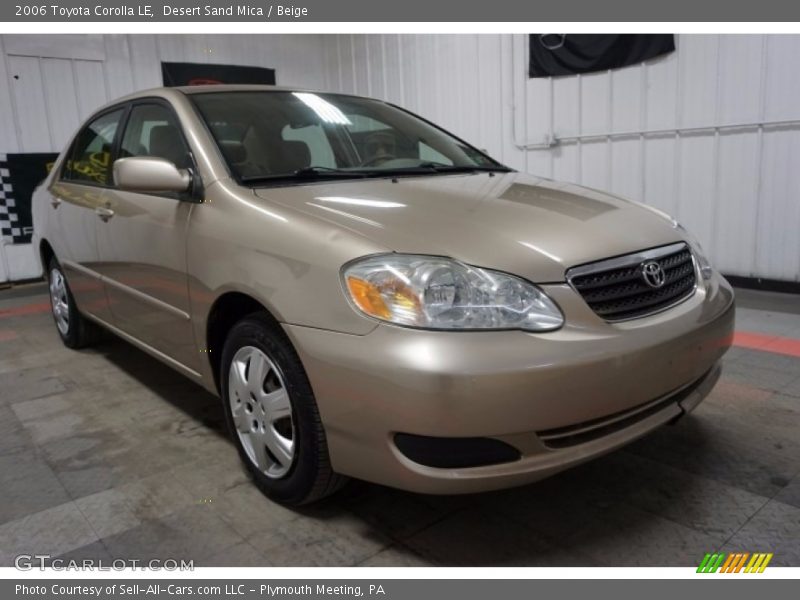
<point>106,453</point>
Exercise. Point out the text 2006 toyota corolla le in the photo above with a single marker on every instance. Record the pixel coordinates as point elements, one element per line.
<point>371,296</point>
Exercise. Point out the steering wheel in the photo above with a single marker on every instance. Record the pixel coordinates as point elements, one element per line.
<point>377,160</point>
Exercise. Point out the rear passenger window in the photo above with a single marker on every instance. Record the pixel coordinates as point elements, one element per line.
<point>153,130</point>
<point>89,160</point>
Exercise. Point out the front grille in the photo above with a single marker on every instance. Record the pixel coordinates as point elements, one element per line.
<point>617,289</point>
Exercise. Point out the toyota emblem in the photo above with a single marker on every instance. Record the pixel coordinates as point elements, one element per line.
<point>653,274</point>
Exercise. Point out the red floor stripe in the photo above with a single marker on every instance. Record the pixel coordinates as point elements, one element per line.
<point>25,309</point>
<point>786,346</point>
<point>767,343</point>
<point>754,341</point>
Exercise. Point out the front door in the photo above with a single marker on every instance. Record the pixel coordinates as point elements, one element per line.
<point>142,243</point>
<point>77,200</point>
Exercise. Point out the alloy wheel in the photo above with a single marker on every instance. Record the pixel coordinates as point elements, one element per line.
<point>59,300</point>
<point>262,411</point>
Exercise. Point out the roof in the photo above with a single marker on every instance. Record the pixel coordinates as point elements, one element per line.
<point>172,92</point>
<point>166,92</point>
<point>238,87</point>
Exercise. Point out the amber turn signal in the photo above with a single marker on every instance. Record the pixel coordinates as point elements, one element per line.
<point>367,297</point>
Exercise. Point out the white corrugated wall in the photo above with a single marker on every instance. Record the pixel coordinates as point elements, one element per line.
<point>709,133</point>
<point>50,83</point>
<point>658,132</point>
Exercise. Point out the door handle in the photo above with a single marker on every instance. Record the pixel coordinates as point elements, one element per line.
<point>55,202</point>
<point>104,213</point>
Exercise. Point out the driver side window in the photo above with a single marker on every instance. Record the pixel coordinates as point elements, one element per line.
<point>89,159</point>
<point>153,130</point>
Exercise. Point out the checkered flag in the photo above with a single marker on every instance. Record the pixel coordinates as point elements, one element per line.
<point>19,175</point>
<point>9,219</point>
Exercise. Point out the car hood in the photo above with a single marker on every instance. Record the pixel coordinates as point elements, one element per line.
<point>529,226</point>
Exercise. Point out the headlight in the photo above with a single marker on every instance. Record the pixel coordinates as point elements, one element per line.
<point>440,293</point>
<point>706,270</point>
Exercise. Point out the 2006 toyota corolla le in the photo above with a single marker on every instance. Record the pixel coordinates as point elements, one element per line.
<point>371,296</point>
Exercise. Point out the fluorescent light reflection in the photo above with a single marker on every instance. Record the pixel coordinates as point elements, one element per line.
<point>359,202</point>
<point>324,109</point>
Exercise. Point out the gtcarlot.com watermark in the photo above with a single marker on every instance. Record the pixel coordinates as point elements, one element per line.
<point>29,562</point>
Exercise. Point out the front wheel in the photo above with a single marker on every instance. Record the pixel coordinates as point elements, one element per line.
<point>272,414</point>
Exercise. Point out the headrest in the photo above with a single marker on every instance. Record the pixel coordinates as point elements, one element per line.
<point>166,142</point>
<point>234,151</point>
<point>290,156</point>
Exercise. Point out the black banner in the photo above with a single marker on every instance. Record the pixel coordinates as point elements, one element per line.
<point>19,176</point>
<point>175,74</point>
<point>554,54</point>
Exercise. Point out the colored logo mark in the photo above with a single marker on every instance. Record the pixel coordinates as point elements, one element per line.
<point>735,562</point>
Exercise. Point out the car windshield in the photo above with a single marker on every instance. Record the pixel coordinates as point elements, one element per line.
<point>273,135</point>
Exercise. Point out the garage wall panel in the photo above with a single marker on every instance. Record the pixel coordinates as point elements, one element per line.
<point>696,191</point>
<point>662,89</point>
<point>626,157</point>
<point>741,77</point>
<point>8,109</point>
<point>566,108</point>
<point>512,114</point>
<point>346,68</point>
<point>627,105</point>
<point>661,173</point>
<point>117,66</point>
<point>595,91</point>
<point>144,61</point>
<point>489,103</point>
<point>698,80</point>
<point>411,65</point>
<point>90,88</point>
<point>60,96</point>
<point>362,63</point>
<point>566,164</point>
<point>537,117</point>
<point>777,247</point>
<point>594,164</point>
<point>392,76</point>
<point>782,77</point>
<point>737,213</point>
<point>375,48</point>
<point>28,93</point>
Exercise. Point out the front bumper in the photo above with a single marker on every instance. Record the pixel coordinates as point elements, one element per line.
<point>539,393</point>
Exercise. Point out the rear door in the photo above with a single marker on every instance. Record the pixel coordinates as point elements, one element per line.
<point>142,244</point>
<point>77,201</point>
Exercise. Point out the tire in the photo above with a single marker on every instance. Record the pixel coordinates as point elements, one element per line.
<point>73,328</point>
<point>272,414</point>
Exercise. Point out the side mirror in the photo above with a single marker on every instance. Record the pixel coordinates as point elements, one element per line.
<point>150,174</point>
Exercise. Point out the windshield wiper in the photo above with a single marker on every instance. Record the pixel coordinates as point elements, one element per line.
<point>318,172</point>
<point>462,168</point>
<point>433,167</point>
<point>313,172</point>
